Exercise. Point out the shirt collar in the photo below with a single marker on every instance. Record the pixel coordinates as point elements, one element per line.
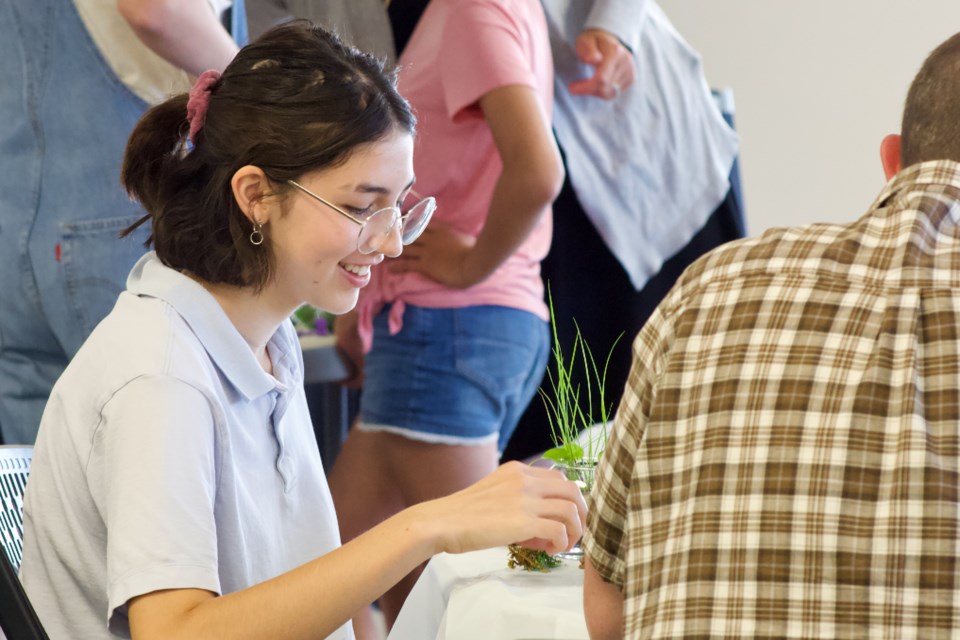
<point>945,173</point>
<point>221,339</point>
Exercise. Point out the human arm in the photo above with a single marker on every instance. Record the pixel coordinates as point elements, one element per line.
<point>529,182</point>
<point>514,503</point>
<point>602,605</point>
<point>185,33</point>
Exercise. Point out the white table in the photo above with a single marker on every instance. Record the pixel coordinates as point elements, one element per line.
<point>475,596</point>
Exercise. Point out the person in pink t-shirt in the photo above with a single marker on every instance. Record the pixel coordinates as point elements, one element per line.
<point>461,313</point>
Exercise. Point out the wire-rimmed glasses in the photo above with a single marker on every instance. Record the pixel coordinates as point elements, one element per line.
<point>376,227</point>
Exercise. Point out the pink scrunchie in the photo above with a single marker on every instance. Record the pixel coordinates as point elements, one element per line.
<point>199,101</point>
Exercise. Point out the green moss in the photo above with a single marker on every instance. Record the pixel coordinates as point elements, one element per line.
<point>531,559</point>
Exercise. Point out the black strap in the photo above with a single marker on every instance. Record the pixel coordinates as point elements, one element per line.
<point>17,618</point>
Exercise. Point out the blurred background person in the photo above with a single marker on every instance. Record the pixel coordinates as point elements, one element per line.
<point>77,75</point>
<point>461,313</point>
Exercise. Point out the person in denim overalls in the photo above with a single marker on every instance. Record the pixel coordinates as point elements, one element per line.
<point>64,120</point>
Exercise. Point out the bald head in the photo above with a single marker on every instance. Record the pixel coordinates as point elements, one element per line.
<point>931,116</point>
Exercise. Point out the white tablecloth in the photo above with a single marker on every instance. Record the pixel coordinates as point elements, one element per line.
<point>475,596</point>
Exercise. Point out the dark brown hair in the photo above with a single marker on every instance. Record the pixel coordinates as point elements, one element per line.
<point>931,116</point>
<point>295,101</point>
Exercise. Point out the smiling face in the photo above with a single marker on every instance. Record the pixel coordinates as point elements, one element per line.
<point>315,247</point>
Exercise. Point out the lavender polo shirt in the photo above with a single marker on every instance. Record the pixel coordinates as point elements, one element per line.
<point>167,458</point>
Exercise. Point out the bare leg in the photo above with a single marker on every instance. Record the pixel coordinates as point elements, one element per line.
<point>362,497</point>
<point>377,474</point>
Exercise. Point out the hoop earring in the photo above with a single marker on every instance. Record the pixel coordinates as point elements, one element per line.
<point>256,236</point>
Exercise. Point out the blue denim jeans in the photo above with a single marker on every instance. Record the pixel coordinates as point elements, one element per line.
<point>454,376</point>
<point>64,122</point>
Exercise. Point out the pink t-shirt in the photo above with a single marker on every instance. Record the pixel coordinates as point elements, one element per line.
<point>461,50</point>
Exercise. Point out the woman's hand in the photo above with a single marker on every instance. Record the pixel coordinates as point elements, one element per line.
<point>535,507</point>
<point>613,64</point>
<point>441,254</point>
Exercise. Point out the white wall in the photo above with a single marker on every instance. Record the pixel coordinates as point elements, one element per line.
<point>817,85</point>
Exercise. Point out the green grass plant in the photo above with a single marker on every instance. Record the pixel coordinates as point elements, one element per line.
<point>562,399</point>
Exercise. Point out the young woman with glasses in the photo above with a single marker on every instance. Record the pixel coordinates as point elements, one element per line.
<point>176,489</point>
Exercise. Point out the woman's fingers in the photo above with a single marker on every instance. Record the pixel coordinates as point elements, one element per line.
<point>527,503</point>
<point>558,525</point>
<point>553,538</point>
<point>550,483</point>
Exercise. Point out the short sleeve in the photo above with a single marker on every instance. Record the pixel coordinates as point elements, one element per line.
<point>153,475</point>
<point>607,535</point>
<point>484,48</point>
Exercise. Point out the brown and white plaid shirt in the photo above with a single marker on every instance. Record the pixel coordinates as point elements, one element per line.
<point>785,457</point>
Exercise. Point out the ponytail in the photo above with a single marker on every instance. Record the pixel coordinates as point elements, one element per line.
<point>155,146</point>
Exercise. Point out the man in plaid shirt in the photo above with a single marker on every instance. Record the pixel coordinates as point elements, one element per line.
<point>785,458</point>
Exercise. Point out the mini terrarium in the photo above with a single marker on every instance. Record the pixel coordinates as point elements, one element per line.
<point>578,434</point>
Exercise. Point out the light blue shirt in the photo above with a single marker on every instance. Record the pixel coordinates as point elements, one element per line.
<point>168,458</point>
<point>650,166</point>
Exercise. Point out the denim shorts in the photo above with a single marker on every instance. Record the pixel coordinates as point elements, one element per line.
<point>454,376</point>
